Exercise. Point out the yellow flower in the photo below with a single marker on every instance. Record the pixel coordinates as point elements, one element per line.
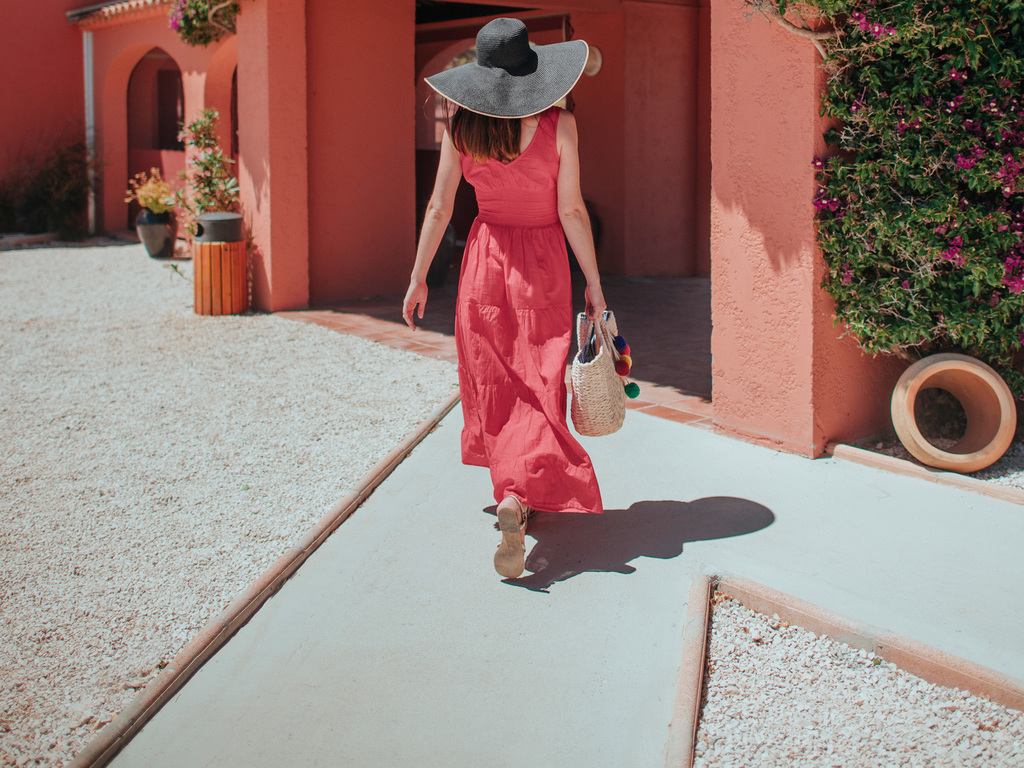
<point>151,192</point>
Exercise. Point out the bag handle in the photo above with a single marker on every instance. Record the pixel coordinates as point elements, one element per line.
<point>590,330</point>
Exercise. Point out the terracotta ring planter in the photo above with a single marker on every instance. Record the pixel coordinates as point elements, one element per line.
<point>986,400</point>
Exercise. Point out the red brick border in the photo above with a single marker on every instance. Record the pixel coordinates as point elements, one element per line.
<point>682,732</point>
<point>928,663</point>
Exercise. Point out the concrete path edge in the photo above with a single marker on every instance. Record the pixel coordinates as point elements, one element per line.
<point>909,469</point>
<point>928,663</point>
<point>109,741</point>
<point>690,687</point>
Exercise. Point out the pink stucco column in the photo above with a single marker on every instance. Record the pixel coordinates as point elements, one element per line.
<point>273,149</point>
<point>782,373</point>
<point>362,140</point>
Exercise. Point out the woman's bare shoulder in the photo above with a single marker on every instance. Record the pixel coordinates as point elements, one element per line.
<point>566,129</point>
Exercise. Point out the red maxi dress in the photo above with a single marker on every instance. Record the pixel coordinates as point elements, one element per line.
<point>513,325</point>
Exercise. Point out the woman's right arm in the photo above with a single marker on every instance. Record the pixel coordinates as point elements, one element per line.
<point>435,221</point>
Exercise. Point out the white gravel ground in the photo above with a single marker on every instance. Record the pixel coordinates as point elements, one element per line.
<point>153,464</point>
<point>778,695</point>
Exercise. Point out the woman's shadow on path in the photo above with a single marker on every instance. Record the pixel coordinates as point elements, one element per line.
<point>571,544</point>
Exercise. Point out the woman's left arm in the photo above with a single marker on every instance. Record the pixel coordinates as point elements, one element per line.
<point>572,212</point>
<point>435,221</point>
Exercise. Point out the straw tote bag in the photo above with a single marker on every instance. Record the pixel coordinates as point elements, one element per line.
<point>598,399</point>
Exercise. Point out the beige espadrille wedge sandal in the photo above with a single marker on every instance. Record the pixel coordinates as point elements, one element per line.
<point>510,559</point>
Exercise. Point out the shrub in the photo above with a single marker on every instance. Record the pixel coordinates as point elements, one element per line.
<point>920,208</point>
<point>47,195</point>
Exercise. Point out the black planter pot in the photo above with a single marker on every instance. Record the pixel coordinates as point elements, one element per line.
<point>158,233</point>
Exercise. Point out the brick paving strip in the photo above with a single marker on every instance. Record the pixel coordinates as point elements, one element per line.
<point>663,401</point>
<point>666,402</point>
<point>930,664</point>
<point>204,645</point>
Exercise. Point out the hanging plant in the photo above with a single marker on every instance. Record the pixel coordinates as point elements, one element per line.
<point>920,202</point>
<point>201,22</point>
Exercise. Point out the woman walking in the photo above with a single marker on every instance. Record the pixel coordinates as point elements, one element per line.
<point>513,317</point>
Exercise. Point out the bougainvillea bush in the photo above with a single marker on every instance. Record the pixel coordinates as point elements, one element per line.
<point>201,22</point>
<point>921,201</point>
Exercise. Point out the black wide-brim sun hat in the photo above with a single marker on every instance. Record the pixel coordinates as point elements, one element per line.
<point>510,78</point>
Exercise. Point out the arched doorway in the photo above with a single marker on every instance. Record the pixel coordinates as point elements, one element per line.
<point>156,109</point>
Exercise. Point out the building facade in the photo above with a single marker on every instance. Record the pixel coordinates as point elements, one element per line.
<point>697,135</point>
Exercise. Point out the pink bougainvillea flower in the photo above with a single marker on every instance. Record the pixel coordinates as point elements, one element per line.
<point>1013,279</point>
<point>906,284</point>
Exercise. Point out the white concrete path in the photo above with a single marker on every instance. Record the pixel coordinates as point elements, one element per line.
<point>396,644</point>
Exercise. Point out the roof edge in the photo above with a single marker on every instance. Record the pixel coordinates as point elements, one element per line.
<point>99,13</point>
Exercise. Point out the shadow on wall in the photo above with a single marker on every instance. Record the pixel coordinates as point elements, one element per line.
<point>571,544</point>
<point>767,132</point>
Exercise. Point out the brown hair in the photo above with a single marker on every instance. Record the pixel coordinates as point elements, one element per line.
<point>481,137</point>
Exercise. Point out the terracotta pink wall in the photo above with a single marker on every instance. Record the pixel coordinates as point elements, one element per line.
<point>273,149</point>
<point>600,116</point>
<point>662,47</point>
<point>702,224</point>
<point>781,373</point>
<point>41,62</point>
<point>362,178</point>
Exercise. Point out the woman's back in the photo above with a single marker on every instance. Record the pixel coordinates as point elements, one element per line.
<point>522,192</point>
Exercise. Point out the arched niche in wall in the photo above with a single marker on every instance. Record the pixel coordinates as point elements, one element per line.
<point>155,111</point>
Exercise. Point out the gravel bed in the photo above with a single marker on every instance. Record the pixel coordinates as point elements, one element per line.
<point>778,695</point>
<point>154,463</point>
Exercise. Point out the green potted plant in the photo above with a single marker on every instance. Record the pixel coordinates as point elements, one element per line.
<point>209,184</point>
<point>156,225</point>
<point>210,205</point>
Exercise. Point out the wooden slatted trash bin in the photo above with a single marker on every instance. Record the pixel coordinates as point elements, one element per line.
<point>218,257</point>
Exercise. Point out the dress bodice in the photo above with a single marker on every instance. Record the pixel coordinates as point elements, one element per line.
<point>523,192</point>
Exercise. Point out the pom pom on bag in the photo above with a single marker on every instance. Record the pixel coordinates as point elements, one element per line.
<point>598,396</point>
